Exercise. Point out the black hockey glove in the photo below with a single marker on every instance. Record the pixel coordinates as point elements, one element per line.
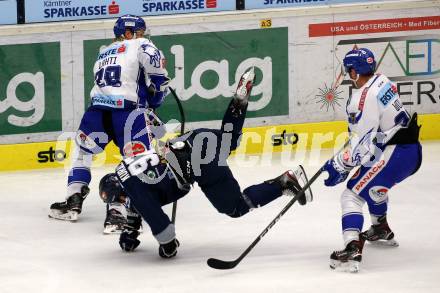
<point>169,250</point>
<point>128,240</point>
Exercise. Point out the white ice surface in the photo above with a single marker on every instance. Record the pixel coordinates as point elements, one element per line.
<point>38,254</point>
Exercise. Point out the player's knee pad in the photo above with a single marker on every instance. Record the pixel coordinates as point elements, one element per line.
<point>351,203</point>
<point>352,217</point>
<point>79,174</point>
<point>81,159</point>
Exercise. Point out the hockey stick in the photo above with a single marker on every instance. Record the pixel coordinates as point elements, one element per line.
<point>182,130</point>
<point>226,265</point>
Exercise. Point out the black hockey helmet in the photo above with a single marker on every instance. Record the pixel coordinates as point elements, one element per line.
<point>110,190</point>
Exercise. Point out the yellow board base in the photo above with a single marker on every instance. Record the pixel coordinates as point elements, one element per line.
<point>256,140</point>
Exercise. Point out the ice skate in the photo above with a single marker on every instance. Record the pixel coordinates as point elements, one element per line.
<point>114,222</point>
<point>290,186</point>
<point>380,234</point>
<point>349,259</point>
<point>70,209</point>
<point>245,85</point>
<point>243,91</point>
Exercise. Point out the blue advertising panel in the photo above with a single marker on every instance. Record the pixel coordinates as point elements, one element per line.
<point>256,4</point>
<point>62,10</point>
<point>8,12</point>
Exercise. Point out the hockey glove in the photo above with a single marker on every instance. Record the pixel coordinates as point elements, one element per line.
<point>337,171</point>
<point>128,240</point>
<point>169,250</point>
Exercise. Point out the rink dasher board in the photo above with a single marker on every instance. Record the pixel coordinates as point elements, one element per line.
<point>255,141</point>
<point>313,40</point>
<point>56,59</point>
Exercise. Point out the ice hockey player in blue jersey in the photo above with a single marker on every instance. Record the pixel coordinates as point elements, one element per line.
<point>129,77</point>
<point>384,147</point>
<point>197,156</point>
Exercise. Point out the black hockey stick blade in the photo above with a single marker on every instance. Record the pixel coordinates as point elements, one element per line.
<point>221,264</point>
<point>226,265</point>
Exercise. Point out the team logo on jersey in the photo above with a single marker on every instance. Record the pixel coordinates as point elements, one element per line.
<point>154,54</point>
<point>151,174</point>
<point>379,194</point>
<point>134,148</point>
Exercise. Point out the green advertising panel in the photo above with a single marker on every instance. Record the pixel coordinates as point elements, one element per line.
<point>30,88</point>
<point>206,66</point>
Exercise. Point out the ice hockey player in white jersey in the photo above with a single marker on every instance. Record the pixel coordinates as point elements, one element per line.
<point>385,149</point>
<point>129,77</point>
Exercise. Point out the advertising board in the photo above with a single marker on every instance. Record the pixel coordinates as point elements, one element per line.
<point>62,10</point>
<point>30,88</point>
<point>8,12</point>
<point>205,68</point>
<point>260,4</point>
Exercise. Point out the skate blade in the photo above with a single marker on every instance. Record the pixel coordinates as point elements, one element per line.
<point>300,174</point>
<point>385,243</point>
<point>69,216</point>
<point>245,85</point>
<point>348,267</point>
<point>112,229</point>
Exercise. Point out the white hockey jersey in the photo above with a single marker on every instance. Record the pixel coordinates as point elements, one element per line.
<point>375,113</point>
<point>124,70</point>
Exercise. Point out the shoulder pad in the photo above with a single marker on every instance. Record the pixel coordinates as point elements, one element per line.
<point>153,54</point>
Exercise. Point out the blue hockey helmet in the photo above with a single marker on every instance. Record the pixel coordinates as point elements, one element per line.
<point>361,60</point>
<point>125,22</point>
<point>140,24</point>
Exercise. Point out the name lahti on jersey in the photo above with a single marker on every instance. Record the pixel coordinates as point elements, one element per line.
<point>375,113</point>
<point>123,71</point>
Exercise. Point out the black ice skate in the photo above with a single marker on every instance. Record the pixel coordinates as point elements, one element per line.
<point>70,209</point>
<point>243,91</point>
<point>290,186</point>
<point>348,259</point>
<point>380,234</point>
<point>114,222</point>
